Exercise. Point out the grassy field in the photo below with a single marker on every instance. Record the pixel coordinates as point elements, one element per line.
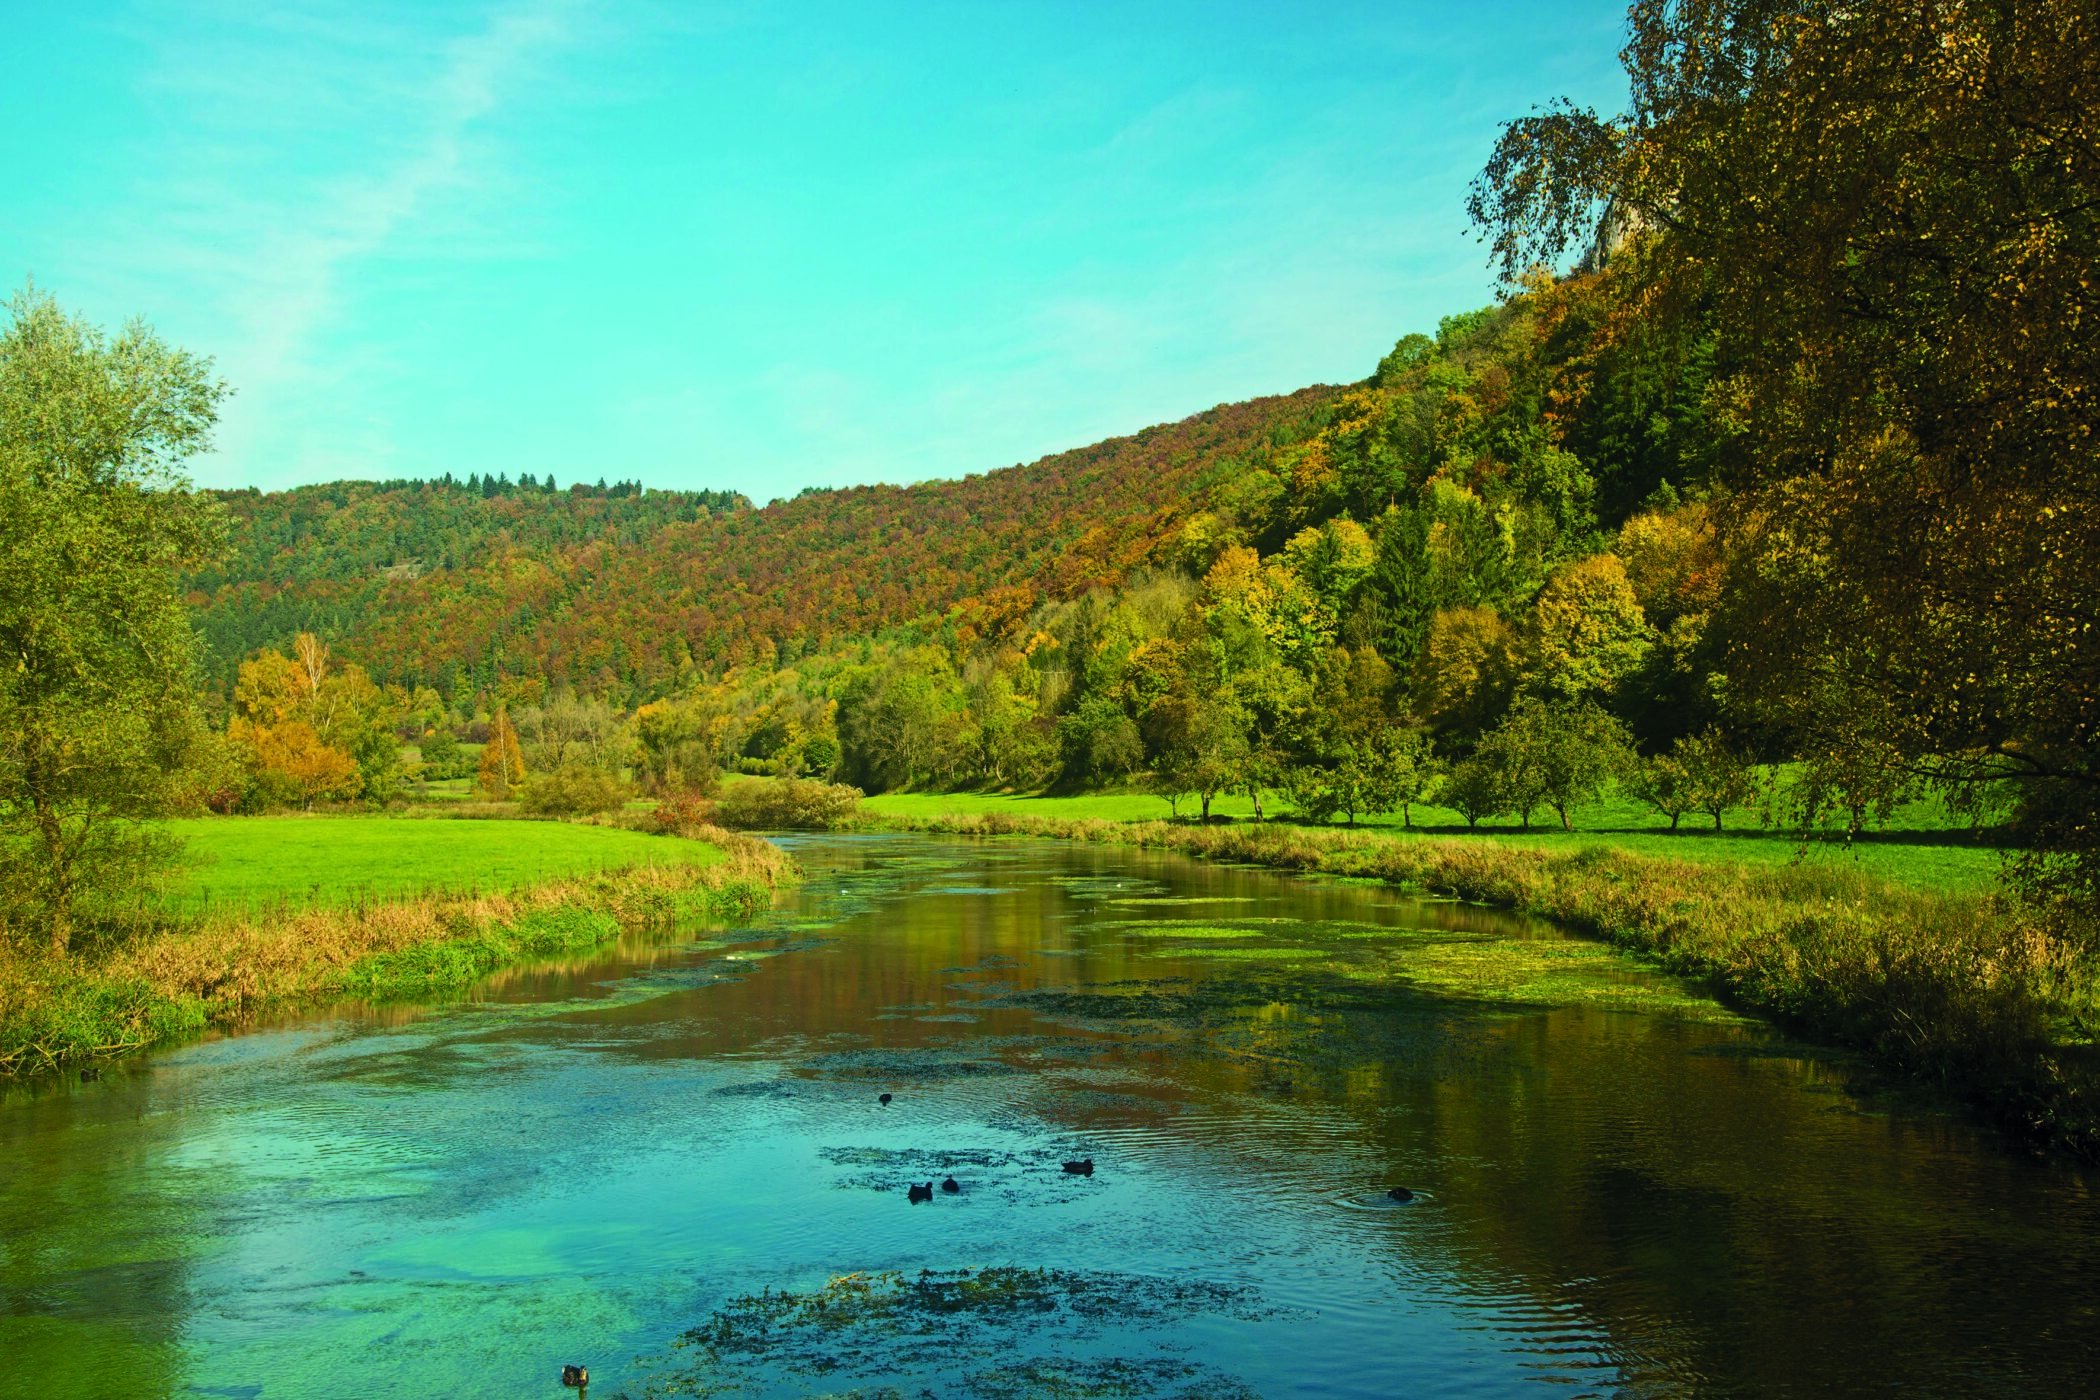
<point>1923,847</point>
<point>325,861</point>
<point>324,908</point>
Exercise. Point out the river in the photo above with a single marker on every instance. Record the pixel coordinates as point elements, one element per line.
<point>668,1162</point>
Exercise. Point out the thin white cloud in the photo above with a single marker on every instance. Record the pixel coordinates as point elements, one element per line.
<point>281,252</point>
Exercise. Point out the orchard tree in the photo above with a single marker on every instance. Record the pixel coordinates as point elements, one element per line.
<point>97,524</point>
<point>1558,755</point>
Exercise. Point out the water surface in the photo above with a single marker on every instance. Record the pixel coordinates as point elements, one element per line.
<point>668,1162</point>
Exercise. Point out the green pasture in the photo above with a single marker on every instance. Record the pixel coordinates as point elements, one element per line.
<point>1923,846</point>
<point>246,862</point>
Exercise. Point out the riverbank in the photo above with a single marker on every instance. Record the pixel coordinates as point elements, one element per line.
<point>214,970</point>
<point>1922,845</point>
<point>1951,988</point>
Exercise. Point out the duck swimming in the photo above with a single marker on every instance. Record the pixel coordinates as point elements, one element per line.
<point>950,1185</point>
<point>883,1099</point>
<point>921,1193</point>
<point>1083,1167</point>
<point>1400,1193</point>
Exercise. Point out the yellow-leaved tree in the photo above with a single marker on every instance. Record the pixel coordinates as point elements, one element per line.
<point>502,760</point>
<point>311,730</point>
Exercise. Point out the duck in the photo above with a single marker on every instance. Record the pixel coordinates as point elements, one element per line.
<point>1400,1193</point>
<point>884,1099</point>
<point>950,1185</point>
<point>575,1377</point>
<point>1083,1167</point>
<point>921,1193</point>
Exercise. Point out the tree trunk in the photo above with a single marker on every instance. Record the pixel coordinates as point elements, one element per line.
<point>1206,809</point>
<point>1565,825</point>
<point>1406,816</point>
<point>52,832</point>
<point>1675,817</point>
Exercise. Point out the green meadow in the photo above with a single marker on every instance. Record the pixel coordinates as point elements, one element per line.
<point>321,861</point>
<point>1923,846</point>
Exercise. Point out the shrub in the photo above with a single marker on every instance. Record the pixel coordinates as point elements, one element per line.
<point>570,791</point>
<point>777,803</point>
<point>682,811</point>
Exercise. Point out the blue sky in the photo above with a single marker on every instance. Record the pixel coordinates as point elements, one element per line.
<point>759,246</point>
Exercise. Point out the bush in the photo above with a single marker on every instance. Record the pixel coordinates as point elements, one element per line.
<point>570,791</point>
<point>680,812</point>
<point>782,803</point>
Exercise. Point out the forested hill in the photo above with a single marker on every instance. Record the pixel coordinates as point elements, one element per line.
<point>622,590</point>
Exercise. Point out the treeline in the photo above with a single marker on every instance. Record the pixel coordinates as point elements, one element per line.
<point>1416,591</point>
<point>636,596</point>
<point>1429,596</point>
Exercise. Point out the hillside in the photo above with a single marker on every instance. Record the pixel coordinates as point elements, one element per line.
<point>441,583</point>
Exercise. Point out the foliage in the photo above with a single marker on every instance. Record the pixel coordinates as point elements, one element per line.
<point>307,729</point>
<point>98,728</point>
<point>786,804</point>
<point>502,760</point>
<point>1883,217</point>
<point>1554,754</point>
<point>635,596</point>
<point>570,730</point>
<point>1700,773</point>
<point>572,790</point>
<point>1475,789</point>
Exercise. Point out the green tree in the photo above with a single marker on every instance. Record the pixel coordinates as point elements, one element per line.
<point>1720,778</point>
<point>1474,790</point>
<point>1558,754</point>
<point>1200,745</point>
<point>1661,782</point>
<point>97,721</point>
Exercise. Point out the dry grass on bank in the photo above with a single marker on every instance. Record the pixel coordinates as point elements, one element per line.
<point>219,971</point>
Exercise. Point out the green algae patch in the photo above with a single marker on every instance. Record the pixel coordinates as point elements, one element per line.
<point>1176,928</point>
<point>993,1333</point>
<point>1156,899</point>
<point>1545,973</point>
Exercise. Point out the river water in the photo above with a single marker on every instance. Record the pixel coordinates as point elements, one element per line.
<point>668,1163</point>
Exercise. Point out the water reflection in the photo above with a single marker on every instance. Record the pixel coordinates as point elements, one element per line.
<point>597,1159</point>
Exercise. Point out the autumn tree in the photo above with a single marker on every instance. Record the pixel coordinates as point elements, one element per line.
<point>97,522</point>
<point>502,759</point>
<point>1885,215</point>
<point>311,729</point>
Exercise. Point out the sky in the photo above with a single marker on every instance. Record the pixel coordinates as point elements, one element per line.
<point>759,247</point>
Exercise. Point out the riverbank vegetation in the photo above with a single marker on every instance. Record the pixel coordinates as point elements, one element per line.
<point>1923,847</point>
<point>182,971</point>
